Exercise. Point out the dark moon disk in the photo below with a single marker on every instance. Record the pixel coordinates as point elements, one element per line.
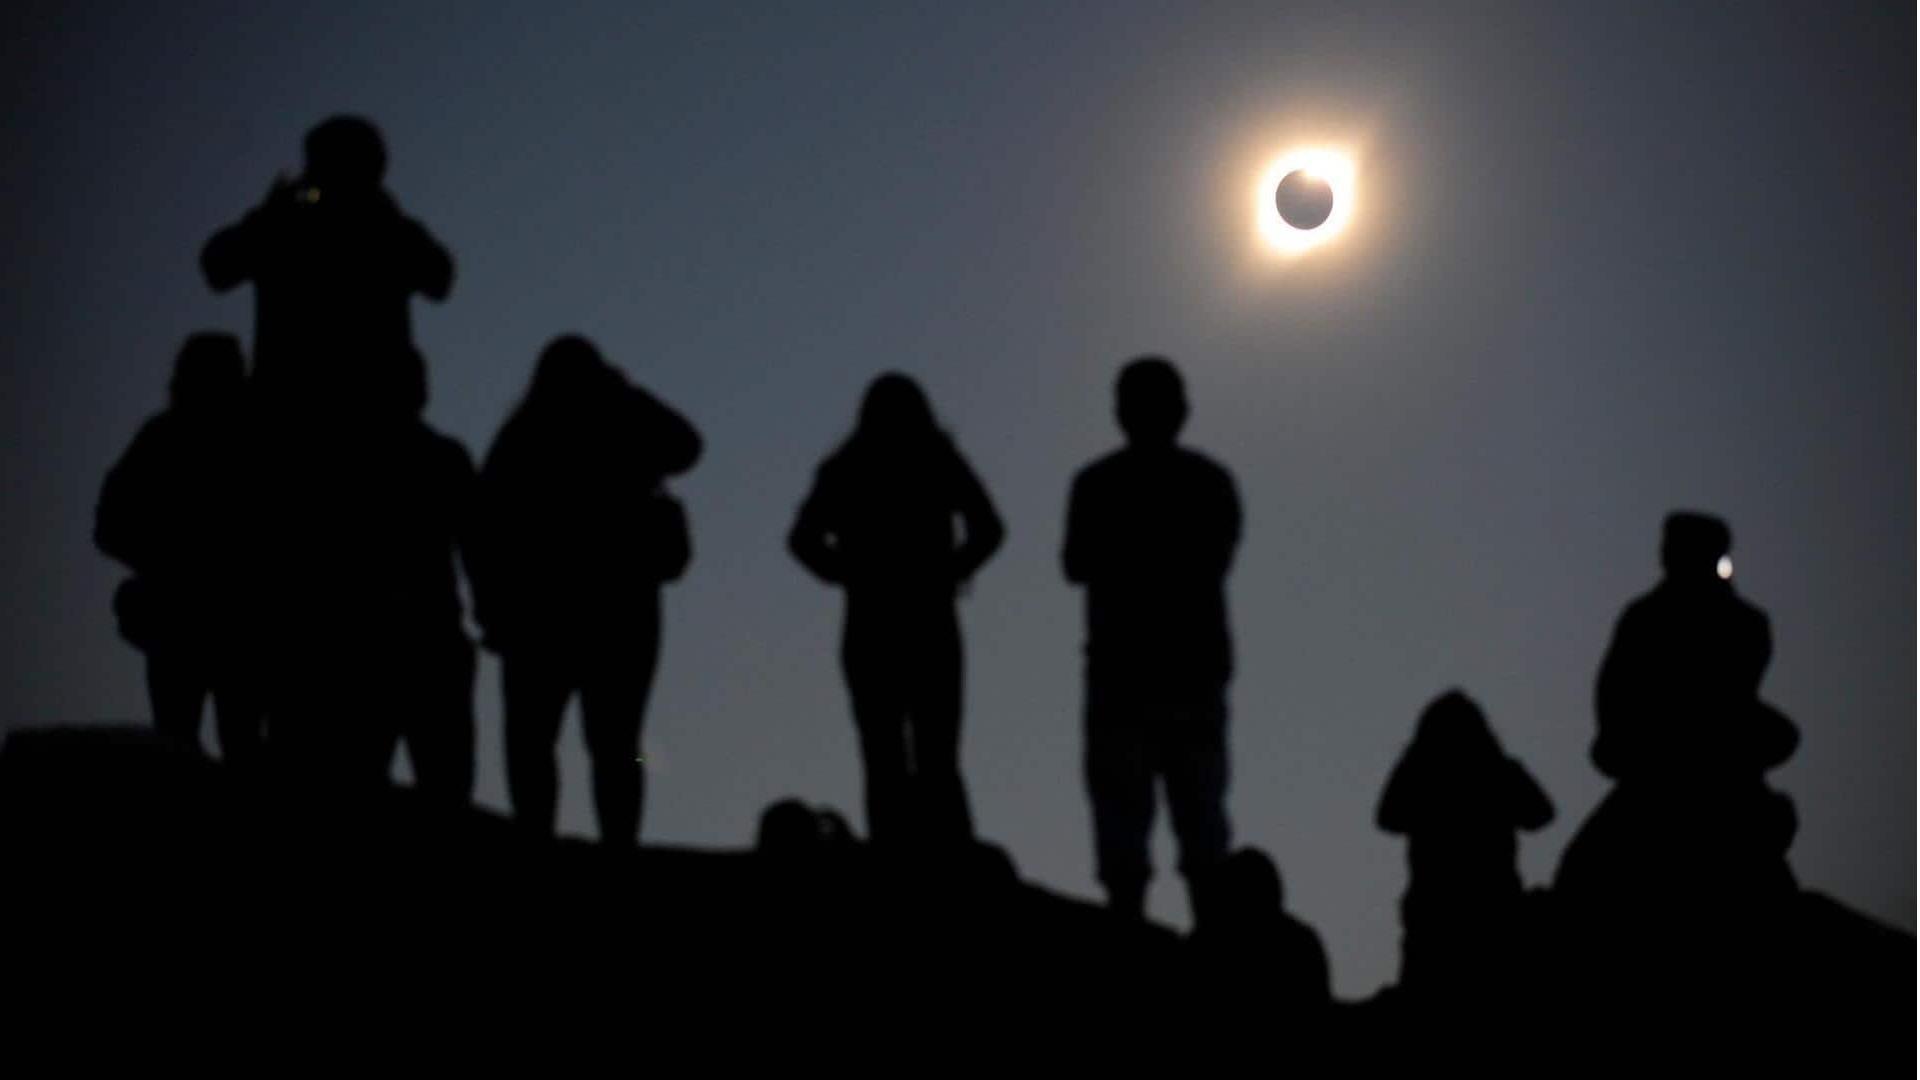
<point>1304,200</point>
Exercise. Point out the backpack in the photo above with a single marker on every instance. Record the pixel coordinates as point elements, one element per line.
<point>669,543</point>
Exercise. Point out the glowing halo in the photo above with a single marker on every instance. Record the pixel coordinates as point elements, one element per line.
<point>1329,165</point>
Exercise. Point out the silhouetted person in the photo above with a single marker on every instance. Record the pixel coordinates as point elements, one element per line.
<point>879,522</point>
<point>1460,801</point>
<point>1678,691</point>
<point>333,263</point>
<point>576,535</point>
<point>174,510</point>
<point>370,639</point>
<point>1250,954</point>
<point>1151,530</point>
<point>791,829</point>
<point>1684,732</point>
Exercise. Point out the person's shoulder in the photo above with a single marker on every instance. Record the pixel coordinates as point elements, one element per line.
<point>159,426</point>
<point>1102,469</point>
<point>1305,937</point>
<point>1198,462</point>
<point>1648,605</point>
<point>157,431</point>
<point>445,453</point>
<point>389,210</point>
<point>1205,474</point>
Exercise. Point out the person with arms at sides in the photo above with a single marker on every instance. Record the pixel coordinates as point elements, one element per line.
<point>879,523</point>
<point>1151,531</point>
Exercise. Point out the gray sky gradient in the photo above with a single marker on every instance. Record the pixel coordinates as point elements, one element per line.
<point>1605,263</point>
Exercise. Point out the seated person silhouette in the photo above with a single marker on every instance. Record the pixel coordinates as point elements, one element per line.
<point>1460,801</point>
<point>373,649</point>
<point>173,509</point>
<point>1684,732</point>
<point>1251,955</point>
<point>879,522</point>
<point>333,263</point>
<point>1678,691</point>
<point>1151,531</point>
<point>575,534</point>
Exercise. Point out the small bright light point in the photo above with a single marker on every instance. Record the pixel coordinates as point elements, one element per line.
<point>1725,569</point>
<point>1335,168</point>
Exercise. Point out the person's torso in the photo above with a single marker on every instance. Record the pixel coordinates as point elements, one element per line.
<point>1156,599</point>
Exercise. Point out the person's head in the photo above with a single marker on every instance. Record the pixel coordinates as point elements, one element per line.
<point>1692,545</point>
<point>1244,890</point>
<point>1453,724</point>
<point>570,371</point>
<point>412,380</point>
<point>1150,402</point>
<point>790,827</point>
<point>209,370</point>
<point>787,827</point>
<point>345,153</point>
<point>895,410</point>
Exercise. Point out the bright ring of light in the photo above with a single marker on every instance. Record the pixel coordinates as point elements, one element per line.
<point>1333,167</point>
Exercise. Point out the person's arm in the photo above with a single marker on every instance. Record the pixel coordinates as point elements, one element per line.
<point>1318,981</point>
<point>119,519</point>
<point>1531,807</point>
<point>1612,694</point>
<point>232,256</point>
<point>430,264</point>
<point>1077,553</point>
<point>462,496</point>
<point>984,529</point>
<point>1226,536</point>
<point>672,442</point>
<point>812,539</point>
<point>229,257</point>
<point>483,535</point>
<point>1400,803</point>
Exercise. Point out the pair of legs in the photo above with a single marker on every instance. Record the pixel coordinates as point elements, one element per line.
<point>178,685</point>
<point>1138,735</point>
<point>904,675</point>
<point>613,679</point>
<point>341,722</point>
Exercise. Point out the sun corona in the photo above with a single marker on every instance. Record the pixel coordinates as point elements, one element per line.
<point>1328,166</point>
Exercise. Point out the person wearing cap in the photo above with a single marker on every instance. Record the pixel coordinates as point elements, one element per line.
<point>1682,672</point>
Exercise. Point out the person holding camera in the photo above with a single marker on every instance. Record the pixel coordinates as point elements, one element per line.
<point>334,264</point>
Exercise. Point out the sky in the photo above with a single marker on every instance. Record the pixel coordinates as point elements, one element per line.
<point>1604,261</point>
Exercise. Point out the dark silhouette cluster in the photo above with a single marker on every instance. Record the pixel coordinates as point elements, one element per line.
<point>297,537</point>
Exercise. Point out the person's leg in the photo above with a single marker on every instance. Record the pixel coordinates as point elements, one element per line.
<point>440,728</point>
<point>373,715</point>
<point>1192,752</point>
<point>239,719</point>
<point>534,691</point>
<point>879,715</point>
<point>940,794</point>
<point>1119,779</point>
<point>613,705</point>
<point>177,688</point>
